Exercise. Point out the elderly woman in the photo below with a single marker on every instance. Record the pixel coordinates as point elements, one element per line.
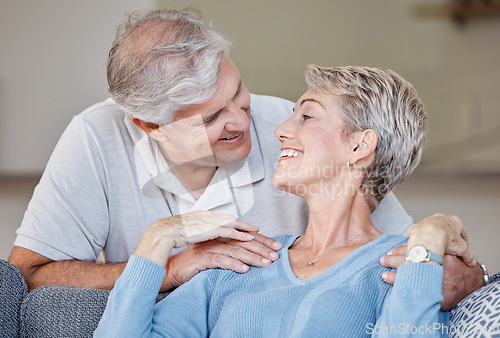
<point>354,135</point>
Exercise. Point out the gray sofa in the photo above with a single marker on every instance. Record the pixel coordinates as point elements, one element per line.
<point>62,311</point>
<point>48,311</point>
<point>13,290</point>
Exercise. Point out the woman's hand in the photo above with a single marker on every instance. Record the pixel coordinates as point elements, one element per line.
<point>198,226</point>
<point>442,234</point>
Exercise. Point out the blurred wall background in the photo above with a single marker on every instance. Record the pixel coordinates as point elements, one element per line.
<point>53,57</point>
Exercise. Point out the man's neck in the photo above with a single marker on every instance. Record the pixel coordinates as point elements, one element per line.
<point>194,178</point>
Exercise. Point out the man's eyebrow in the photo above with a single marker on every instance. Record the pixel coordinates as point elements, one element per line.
<point>238,91</point>
<point>217,113</point>
<point>213,116</point>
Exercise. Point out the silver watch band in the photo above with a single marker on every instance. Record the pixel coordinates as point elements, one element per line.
<point>486,276</point>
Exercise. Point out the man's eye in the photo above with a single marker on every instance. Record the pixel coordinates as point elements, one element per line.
<point>212,118</point>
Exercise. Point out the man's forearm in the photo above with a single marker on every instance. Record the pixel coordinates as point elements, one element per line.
<point>39,271</point>
<point>76,273</point>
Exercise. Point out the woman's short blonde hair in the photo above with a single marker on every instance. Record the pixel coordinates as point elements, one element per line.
<point>381,100</point>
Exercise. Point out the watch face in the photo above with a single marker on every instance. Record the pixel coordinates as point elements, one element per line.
<point>417,254</point>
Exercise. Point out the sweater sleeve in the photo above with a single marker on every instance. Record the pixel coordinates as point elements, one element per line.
<point>131,310</point>
<point>413,305</point>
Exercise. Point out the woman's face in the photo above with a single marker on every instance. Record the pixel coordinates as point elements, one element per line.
<point>314,149</point>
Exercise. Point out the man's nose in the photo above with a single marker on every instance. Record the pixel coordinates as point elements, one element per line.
<point>238,118</point>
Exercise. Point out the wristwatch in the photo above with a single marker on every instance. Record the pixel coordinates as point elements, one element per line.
<point>419,254</point>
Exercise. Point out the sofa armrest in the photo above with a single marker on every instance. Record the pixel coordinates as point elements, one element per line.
<point>63,311</point>
<point>13,289</point>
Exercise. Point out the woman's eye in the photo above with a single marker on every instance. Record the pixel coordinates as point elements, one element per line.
<point>304,117</point>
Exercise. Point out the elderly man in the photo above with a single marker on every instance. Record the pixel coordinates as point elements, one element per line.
<point>180,139</point>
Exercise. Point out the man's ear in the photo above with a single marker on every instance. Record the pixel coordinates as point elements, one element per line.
<point>152,129</point>
<point>364,147</point>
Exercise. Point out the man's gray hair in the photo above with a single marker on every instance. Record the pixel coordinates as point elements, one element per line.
<point>162,61</point>
<point>381,100</point>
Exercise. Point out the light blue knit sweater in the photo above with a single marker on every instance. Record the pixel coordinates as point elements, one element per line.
<point>348,300</point>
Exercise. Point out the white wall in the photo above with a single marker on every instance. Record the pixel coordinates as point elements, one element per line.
<point>53,54</point>
<point>52,65</point>
<point>456,70</point>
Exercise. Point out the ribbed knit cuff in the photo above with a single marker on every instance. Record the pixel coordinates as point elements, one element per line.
<point>419,276</point>
<point>144,273</point>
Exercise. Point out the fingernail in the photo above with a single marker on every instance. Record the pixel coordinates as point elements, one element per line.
<point>266,261</point>
<point>384,275</point>
<point>390,253</point>
<point>277,245</point>
<point>382,259</point>
<point>250,237</point>
<point>474,262</point>
<point>244,268</point>
<point>274,255</point>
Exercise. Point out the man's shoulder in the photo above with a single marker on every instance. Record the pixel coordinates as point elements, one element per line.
<point>270,107</point>
<point>268,112</point>
<point>105,111</point>
<point>104,121</point>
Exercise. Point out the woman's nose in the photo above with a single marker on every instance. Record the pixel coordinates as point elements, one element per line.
<point>284,130</point>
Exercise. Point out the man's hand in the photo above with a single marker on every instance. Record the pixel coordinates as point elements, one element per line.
<point>442,234</point>
<point>459,279</point>
<point>220,253</point>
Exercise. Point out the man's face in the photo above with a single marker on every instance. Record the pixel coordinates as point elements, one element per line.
<point>215,132</point>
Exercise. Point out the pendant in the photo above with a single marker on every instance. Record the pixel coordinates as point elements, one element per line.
<point>310,263</point>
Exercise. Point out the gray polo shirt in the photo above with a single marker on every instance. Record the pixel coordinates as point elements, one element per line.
<point>106,182</point>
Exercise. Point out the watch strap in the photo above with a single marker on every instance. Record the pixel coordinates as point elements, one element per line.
<point>434,257</point>
<point>430,256</point>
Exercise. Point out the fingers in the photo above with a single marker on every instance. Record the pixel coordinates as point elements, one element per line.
<point>392,261</point>
<point>262,246</point>
<point>243,226</point>
<point>199,226</point>
<point>400,250</point>
<point>460,248</point>
<point>389,277</point>
<point>233,255</point>
<point>217,260</point>
<point>394,258</point>
<point>225,232</point>
<point>268,242</point>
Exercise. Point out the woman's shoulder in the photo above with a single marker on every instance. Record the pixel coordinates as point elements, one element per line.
<point>373,269</point>
<point>392,241</point>
<point>285,239</point>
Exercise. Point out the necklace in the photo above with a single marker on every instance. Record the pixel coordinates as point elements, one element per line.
<point>311,262</point>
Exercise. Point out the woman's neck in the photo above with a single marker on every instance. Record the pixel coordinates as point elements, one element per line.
<point>336,228</point>
<point>336,215</point>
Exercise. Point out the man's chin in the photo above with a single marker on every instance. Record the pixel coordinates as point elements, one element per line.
<point>230,157</point>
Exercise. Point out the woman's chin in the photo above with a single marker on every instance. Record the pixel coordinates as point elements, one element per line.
<point>283,183</point>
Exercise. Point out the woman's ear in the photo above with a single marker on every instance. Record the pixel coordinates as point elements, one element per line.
<point>152,129</point>
<point>364,147</point>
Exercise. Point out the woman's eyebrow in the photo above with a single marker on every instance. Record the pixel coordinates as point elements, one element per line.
<point>310,100</point>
